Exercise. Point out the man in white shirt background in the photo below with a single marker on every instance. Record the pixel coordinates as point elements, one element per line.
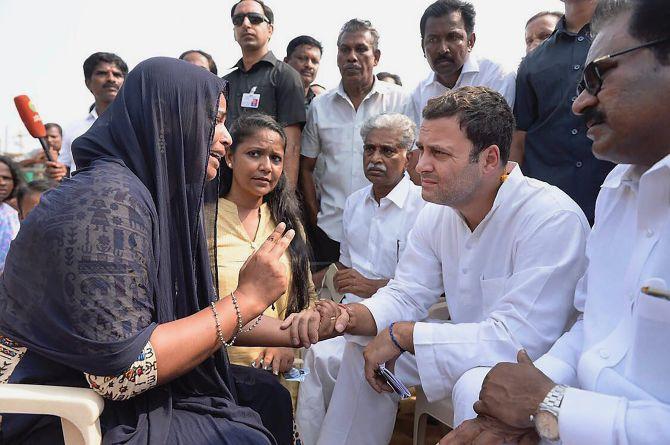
<point>376,222</point>
<point>104,74</point>
<point>332,148</point>
<point>506,251</point>
<point>615,361</point>
<point>447,39</point>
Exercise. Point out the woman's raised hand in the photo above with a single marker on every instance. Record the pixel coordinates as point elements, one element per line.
<point>262,278</point>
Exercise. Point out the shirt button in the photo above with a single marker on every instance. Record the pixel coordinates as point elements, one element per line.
<point>578,164</point>
<point>650,233</point>
<point>576,67</point>
<point>604,354</point>
<point>580,38</point>
<point>464,270</point>
<point>574,131</point>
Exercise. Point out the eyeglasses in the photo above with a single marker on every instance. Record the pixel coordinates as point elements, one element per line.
<point>592,77</point>
<point>254,18</point>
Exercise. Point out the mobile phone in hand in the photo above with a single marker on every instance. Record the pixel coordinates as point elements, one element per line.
<point>397,386</point>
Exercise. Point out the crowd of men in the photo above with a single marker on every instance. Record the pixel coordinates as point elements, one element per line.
<point>492,190</point>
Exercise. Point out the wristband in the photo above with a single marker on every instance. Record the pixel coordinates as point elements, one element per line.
<point>393,339</point>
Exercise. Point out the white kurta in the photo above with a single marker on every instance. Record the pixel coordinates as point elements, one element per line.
<point>509,284</point>
<point>617,356</point>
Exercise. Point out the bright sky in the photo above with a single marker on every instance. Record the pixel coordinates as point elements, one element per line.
<point>45,42</point>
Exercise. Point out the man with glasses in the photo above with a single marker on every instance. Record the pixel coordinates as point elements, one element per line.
<point>376,222</point>
<point>261,83</point>
<point>606,380</point>
<point>550,142</point>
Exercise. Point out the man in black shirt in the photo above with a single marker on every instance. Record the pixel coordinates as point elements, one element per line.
<point>261,83</point>
<point>551,143</point>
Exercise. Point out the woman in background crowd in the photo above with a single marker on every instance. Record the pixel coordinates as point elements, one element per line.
<point>10,181</point>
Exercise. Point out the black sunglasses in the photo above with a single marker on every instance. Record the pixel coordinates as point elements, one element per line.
<point>254,18</point>
<point>592,76</point>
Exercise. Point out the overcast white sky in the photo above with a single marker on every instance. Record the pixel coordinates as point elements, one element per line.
<point>44,42</point>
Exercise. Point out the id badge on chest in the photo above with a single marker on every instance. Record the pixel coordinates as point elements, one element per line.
<point>251,99</point>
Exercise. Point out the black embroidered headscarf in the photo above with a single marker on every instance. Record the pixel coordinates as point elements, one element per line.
<point>123,246</point>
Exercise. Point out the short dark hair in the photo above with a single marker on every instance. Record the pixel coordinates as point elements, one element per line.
<point>210,60</point>
<point>482,112</point>
<point>356,25</point>
<point>266,10</point>
<point>395,77</point>
<point>15,171</point>
<point>444,7</point>
<point>302,40</point>
<point>556,14</point>
<point>650,22</point>
<point>36,186</point>
<point>94,59</point>
<point>51,125</point>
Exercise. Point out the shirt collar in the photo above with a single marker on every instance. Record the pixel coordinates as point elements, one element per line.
<point>269,57</point>
<point>398,195</point>
<point>508,187</point>
<point>377,87</point>
<point>93,113</point>
<point>561,28</point>
<point>628,174</point>
<point>471,65</point>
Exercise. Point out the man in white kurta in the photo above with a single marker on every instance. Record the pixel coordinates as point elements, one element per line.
<point>376,222</point>
<point>506,251</point>
<point>615,361</point>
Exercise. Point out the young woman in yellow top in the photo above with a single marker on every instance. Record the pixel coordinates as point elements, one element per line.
<point>254,195</point>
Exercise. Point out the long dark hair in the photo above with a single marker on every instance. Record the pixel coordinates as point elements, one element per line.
<point>283,204</point>
<point>15,171</point>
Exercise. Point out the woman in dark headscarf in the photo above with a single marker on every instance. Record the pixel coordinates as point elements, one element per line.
<point>108,283</point>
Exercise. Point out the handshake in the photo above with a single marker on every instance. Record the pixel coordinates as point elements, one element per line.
<point>325,320</point>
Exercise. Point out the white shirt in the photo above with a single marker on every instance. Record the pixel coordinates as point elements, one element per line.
<point>375,234</point>
<point>72,132</point>
<point>619,353</point>
<point>477,71</point>
<point>508,285</point>
<point>332,132</point>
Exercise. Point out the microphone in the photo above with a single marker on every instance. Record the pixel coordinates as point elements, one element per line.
<point>33,122</point>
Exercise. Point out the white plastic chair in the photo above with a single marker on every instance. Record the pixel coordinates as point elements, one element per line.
<point>78,408</point>
<point>442,410</point>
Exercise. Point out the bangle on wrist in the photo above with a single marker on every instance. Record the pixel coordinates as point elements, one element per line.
<point>393,339</point>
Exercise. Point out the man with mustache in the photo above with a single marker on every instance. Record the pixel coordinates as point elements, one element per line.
<point>606,380</point>
<point>550,142</point>
<point>261,83</point>
<point>304,54</point>
<point>447,40</point>
<point>332,136</point>
<point>505,250</point>
<point>104,74</point>
<point>376,222</point>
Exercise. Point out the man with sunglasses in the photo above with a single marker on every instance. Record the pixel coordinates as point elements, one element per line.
<point>550,142</point>
<point>261,83</point>
<point>606,380</point>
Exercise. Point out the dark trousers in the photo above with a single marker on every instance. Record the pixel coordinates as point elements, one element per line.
<point>324,250</point>
<point>262,392</point>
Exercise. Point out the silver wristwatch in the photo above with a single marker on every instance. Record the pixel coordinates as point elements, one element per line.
<point>546,417</point>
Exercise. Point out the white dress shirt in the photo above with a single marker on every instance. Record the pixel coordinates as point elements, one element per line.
<point>375,234</point>
<point>477,71</point>
<point>332,133</point>
<point>619,353</point>
<point>72,132</point>
<point>509,284</point>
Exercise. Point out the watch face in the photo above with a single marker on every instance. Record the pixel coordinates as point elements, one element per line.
<point>546,425</point>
